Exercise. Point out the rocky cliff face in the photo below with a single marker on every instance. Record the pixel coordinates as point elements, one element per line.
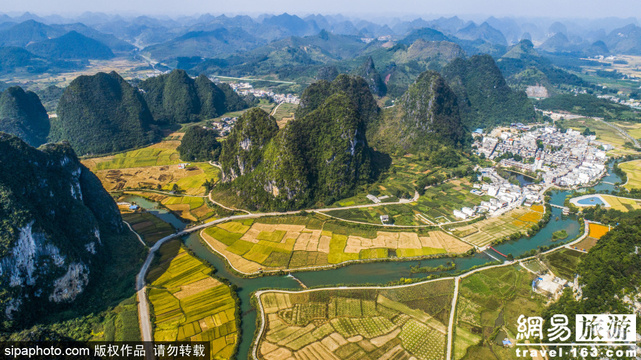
<point>52,211</point>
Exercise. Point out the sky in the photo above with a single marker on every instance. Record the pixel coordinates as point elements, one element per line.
<point>391,8</point>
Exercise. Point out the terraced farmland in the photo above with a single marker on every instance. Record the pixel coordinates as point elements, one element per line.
<point>315,240</point>
<point>189,304</point>
<point>486,231</point>
<point>408,322</point>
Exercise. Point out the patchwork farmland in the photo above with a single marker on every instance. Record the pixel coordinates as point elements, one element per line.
<point>315,240</point>
<point>486,231</point>
<point>189,304</point>
<point>378,323</point>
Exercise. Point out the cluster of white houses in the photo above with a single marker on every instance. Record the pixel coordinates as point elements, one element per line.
<point>564,158</point>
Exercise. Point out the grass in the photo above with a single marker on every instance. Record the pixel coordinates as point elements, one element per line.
<point>353,324</point>
<point>489,301</point>
<point>563,263</point>
<point>291,242</point>
<point>632,170</point>
<point>189,304</point>
<point>149,227</point>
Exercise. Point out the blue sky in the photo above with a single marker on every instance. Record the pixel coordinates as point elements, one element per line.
<point>414,8</point>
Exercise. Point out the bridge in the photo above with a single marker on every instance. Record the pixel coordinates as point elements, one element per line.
<point>560,207</point>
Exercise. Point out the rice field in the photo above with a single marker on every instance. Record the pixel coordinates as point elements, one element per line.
<point>490,301</point>
<point>163,153</point>
<point>374,323</point>
<point>486,231</point>
<point>188,207</point>
<point>188,304</point>
<point>622,204</point>
<point>563,263</point>
<point>149,227</point>
<point>632,170</point>
<point>604,134</point>
<point>314,240</point>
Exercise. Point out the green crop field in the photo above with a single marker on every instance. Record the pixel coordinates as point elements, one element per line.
<point>163,153</point>
<point>189,304</point>
<point>399,323</point>
<point>148,226</point>
<point>491,301</point>
<point>291,242</point>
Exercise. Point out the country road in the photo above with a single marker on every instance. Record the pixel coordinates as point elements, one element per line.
<point>621,132</point>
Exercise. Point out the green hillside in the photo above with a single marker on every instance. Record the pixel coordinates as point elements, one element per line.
<point>22,114</point>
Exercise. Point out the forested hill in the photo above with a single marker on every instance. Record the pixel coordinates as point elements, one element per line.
<point>56,218</point>
<point>318,158</point>
<point>177,98</point>
<point>22,114</point>
<point>101,114</point>
<point>425,119</point>
<point>485,99</point>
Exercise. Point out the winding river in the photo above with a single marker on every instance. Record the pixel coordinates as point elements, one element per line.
<point>367,273</point>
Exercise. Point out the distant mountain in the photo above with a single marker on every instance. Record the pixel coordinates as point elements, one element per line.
<point>318,158</point>
<point>31,31</point>
<point>425,34</point>
<point>18,60</point>
<point>483,32</point>
<point>177,98</point>
<point>57,221</point>
<point>484,97</point>
<point>292,24</point>
<point>22,114</point>
<point>508,27</point>
<point>71,46</point>
<point>217,43</point>
<point>425,119</point>
<point>368,72</point>
<point>523,66</point>
<point>101,114</point>
<point>625,40</point>
<point>557,43</point>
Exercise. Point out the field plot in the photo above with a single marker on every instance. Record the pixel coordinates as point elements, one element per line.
<point>622,204</point>
<point>486,231</point>
<point>604,134</point>
<point>634,129</point>
<point>490,302</point>
<point>148,226</point>
<point>402,323</point>
<point>189,180</point>
<point>189,304</point>
<point>188,207</point>
<point>596,232</point>
<point>163,153</point>
<point>314,240</point>
<point>563,263</point>
<point>435,206</point>
<point>284,113</point>
<point>632,170</point>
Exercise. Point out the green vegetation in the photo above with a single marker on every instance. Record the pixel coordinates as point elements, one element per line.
<point>199,144</point>
<point>375,323</point>
<point>311,160</point>
<point>490,302</point>
<point>484,98</point>
<point>368,72</point>
<point>22,114</point>
<point>102,114</point>
<point>188,303</point>
<point>590,105</point>
<point>427,119</point>
<point>177,98</point>
<point>559,235</point>
<point>632,173</point>
<point>563,263</point>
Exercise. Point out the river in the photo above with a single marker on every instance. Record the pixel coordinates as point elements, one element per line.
<point>368,273</point>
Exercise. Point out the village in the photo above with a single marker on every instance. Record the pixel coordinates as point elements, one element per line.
<point>566,159</point>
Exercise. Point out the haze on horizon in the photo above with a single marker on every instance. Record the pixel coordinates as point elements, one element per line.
<point>398,8</point>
